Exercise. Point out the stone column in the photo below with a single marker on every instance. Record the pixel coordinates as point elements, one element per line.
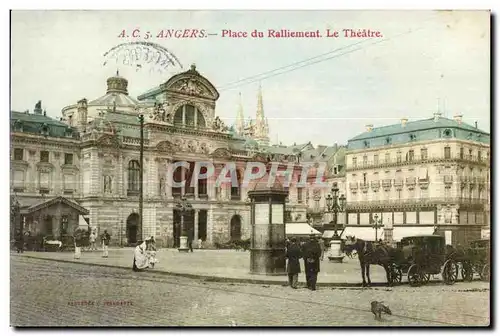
<point>210,227</point>
<point>119,175</point>
<point>95,174</point>
<point>166,176</point>
<point>196,220</point>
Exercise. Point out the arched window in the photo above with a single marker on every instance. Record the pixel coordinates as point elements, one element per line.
<point>134,170</point>
<point>235,228</point>
<point>189,116</point>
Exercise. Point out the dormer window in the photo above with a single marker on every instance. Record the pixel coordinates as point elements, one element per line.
<point>388,141</point>
<point>447,132</point>
<point>469,136</point>
<point>45,129</point>
<point>413,137</point>
<point>18,126</point>
<point>68,132</point>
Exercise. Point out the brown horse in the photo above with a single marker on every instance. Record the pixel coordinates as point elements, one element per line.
<point>371,253</point>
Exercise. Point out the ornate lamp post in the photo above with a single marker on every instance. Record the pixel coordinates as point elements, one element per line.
<point>183,206</point>
<point>335,204</point>
<point>141,173</point>
<point>377,224</point>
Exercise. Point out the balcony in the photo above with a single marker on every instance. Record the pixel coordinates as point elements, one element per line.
<point>430,201</point>
<point>375,185</point>
<point>417,160</point>
<point>398,184</point>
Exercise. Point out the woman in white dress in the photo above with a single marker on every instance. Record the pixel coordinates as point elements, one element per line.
<point>151,251</point>
<point>141,259</point>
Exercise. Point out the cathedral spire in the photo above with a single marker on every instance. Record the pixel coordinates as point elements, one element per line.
<point>240,121</point>
<point>261,128</point>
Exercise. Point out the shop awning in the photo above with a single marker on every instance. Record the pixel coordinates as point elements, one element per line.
<point>300,229</point>
<point>401,232</point>
<point>328,234</point>
<point>368,233</point>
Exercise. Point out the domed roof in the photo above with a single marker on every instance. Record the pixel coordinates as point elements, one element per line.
<point>116,94</point>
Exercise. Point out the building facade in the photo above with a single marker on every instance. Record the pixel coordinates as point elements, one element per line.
<point>90,158</point>
<point>419,177</point>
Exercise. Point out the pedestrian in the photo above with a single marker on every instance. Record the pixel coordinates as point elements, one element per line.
<point>293,254</point>
<point>141,260</point>
<point>105,238</point>
<point>311,254</point>
<point>92,238</point>
<point>190,239</point>
<point>19,241</point>
<point>78,237</point>
<point>200,243</point>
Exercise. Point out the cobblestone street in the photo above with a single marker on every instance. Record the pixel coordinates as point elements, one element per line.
<point>51,293</point>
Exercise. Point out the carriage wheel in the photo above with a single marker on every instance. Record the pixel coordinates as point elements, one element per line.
<point>485,273</point>
<point>414,276</point>
<point>450,272</point>
<point>396,274</point>
<point>425,278</point>
<point>467,272</point>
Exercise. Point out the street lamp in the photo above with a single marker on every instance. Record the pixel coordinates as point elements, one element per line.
<point>141,172</point>
<point>335,204</point>
<point>377,224</point>
<point>183,206</point>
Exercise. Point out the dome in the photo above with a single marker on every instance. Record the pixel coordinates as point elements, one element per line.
<point>117,84</point>
<point>116,94</point>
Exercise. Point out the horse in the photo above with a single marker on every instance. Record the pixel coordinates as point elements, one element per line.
<point>371,253</point>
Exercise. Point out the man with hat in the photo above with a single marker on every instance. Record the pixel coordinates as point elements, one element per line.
<point>293,254</point>
<point>311,254</point>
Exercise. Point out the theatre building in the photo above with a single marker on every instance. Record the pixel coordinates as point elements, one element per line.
<point>86,164</point>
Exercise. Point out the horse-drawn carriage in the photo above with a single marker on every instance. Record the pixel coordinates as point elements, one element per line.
<point>419,257</point>
<point>474,259</point>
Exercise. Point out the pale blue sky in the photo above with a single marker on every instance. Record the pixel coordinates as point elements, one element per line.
<point>57,57</point>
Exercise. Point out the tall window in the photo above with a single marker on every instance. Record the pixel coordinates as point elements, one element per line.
<point>411,155</point>
<point>202,183</point>
<point>375,159</point>
<point>300,196</point>
<point>354,162</point>
<point>461,152</point>
<point>18,154</point>
<point>479,156</point>
<point>423,153</point>
<point>44,156</point>
<point>364,178</point>
<point>365,160</point>
<point>387,157</point>
<point>134,170</point>
<point>235,190</point>
<point>189,116</point>
<point>68,158</point>
<point>398,157</point>
<point>447,152</point>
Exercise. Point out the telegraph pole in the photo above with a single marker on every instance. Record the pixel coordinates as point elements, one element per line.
<point>141,175</point>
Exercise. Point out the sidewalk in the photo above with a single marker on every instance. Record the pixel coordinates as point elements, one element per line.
<point>219,265</point>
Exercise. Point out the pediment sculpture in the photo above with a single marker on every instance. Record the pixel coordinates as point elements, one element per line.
<point>161,112</point>
<point>191,87</point>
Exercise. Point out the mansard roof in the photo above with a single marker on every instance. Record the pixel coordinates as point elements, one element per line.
<point>40,124</point>
<point>426,129</point>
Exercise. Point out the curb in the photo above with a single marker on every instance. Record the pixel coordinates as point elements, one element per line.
<point>208,278</point>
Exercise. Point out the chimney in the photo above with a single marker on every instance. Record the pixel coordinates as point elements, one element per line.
<point>458,118</point>
<point>475,123</point>
<point>404,121</point>
<point>437,115</point>
<point>369,127</point>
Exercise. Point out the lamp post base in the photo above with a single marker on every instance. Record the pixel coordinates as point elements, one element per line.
<point>334,254</point>
<point>183,244</point>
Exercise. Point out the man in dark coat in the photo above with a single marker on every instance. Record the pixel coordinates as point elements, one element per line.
<point>293,254</point>
<point>311,254</point>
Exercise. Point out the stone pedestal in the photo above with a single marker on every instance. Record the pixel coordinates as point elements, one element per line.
<point>335,255</point>
<point>183,247</point>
